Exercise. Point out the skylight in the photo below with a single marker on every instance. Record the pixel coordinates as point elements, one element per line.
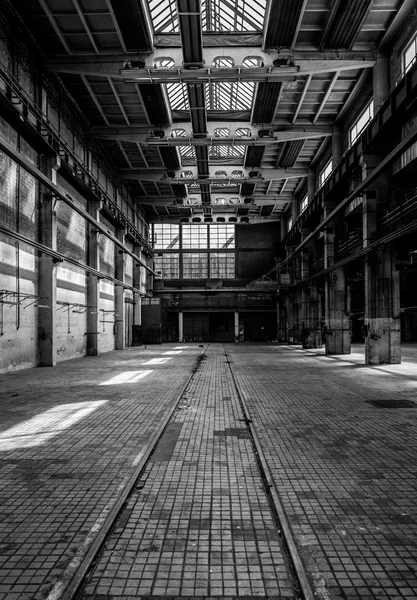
<point>229,95</point>
<point>217,15</point>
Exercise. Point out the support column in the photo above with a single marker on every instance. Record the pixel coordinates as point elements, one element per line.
<point>236,326</point>
<point>119,293</point>
<point>338,335</point>
<point>336,145</point>
<point>93,282</point>
<point>311,333</point>
<point>382,295</point>
<point>380,79</point>
<point>47,268</point>
<point>137,299</point>
<point>295,209</point>
<point>180,326</point>
<point>311,184</point>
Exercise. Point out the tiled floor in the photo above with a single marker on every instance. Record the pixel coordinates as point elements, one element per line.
<point>198,523</point>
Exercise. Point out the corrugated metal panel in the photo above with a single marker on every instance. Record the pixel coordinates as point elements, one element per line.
<point>290,153</point>
<point>265,104</point>
<point>133,24</point>
<point>344,23</point>
<point>254,156</point>
<point>282,23</point>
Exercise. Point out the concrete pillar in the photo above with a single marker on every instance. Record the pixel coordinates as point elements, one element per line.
<point>180,326</point>
<point>93,282</point>
<point>283,228</point>
<point>380,79</point>
<point>137,299</point>
<point>295,209</point>
<point>337,322</point>
<point>236,326</point>
<point>119,293</point>
<point>311,184</point>
<point>47,269</point>
<point>311,329</point>
<point>382,295</point>
<point>337,148</point>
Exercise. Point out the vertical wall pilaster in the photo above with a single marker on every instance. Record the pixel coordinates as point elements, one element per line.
<point>119,293</point>
<point>337,147</point>
<point>236,326</point>
<point>47,269</point>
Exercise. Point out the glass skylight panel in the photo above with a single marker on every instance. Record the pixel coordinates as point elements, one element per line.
<point>247,15</point>
<point>164,16</point>
<point>226,151</point>
<point>230,95</point>
<point>177,95</point>
<point>217,15</point>
<point>187,151</point>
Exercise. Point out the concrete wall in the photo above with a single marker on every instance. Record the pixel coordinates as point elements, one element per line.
<point>21,200</point>
<point>255,249</point>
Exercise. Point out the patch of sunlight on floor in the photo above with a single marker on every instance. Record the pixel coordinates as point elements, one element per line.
<point>126,377</point>
<point>47,425</point>
<point>181,347</point>
<point>157,361</point>
<point>173,352</point>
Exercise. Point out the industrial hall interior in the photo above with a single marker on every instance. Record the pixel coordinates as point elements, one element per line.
<point>208,299</point>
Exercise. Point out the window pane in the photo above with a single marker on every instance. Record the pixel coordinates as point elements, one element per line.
<point>167,265</point>
<point>222,265</point>
<point>166,236</point>
<point>222,236</point>
<point>361,123</point>
<point>325,173</point>
<point>194,265</point>
<point>194,236</point>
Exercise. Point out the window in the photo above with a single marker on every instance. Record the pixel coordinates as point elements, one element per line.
<point>167,265</point>
<point>209,251</point>
<point>222,236</point>
<point>361,123</point>
<point>410,55</point>
<point>289,223</point>
<point>325,173</point>
<point>194,236</point>
<point>195,265</point>
<point>304,203</point>
<point>166,236</point>
<point>222,265</point>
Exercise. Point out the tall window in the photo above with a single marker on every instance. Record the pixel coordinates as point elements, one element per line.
<point>289,223</point>
<point>167,265</point>
<point>194,265</point>
<point>304,203</point>
<point>325,173</point>
<point>361,123</point>
<point>194,236</point>
<point>410,55</point>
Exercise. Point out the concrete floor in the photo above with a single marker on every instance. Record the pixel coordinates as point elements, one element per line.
<point>198,523</point>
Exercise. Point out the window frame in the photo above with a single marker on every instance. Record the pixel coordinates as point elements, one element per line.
<point>322,174</point>
<point>412,45</point>
<point>369,108</point>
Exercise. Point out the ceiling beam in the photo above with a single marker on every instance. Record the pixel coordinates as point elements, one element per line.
<point>95,100</point>
<point>55,26</point>
<point>263,175</point>
<point>137,134</point>
<point>119,102</point>
<point>300,63</point>
<point>116,26</point>
<point>302,97</point>
<point>326,96</point>
<point>85,25</point>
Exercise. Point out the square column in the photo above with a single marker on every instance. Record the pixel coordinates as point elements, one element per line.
<point>180,326</point>
<point>137,298</point>
<point>47,276</point>
<point>382,309</point>
<point>237,327</point>
<point>119,293</point>
<point>93,282</point>
<point>337,328</point>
